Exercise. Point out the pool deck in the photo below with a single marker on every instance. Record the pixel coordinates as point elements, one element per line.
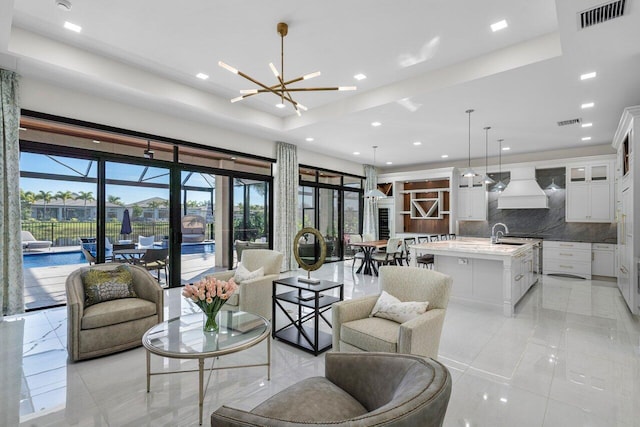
<point>45,286</point>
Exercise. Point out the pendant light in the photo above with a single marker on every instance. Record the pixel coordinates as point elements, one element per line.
<point>553,186</point>
<point>486,179</point>
<point>500,185</point>
<point>375,193</point>
<point>469,173</point>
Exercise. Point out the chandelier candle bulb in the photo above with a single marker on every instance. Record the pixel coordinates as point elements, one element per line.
<point>227,67</point>
<point>311,75</point>
<point>273,69</point>
<point>342,88</point>
<point>249,91</point>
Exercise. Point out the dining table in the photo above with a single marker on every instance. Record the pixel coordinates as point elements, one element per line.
<point>129,255</point>
<point>368,266</point>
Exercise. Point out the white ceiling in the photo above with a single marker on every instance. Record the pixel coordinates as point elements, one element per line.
<point>427,61</point>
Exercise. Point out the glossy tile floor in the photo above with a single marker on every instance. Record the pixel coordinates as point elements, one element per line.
<point>570,357</point>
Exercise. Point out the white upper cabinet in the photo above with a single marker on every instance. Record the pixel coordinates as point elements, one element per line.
<point>472,200</point>
<point>590,193</point>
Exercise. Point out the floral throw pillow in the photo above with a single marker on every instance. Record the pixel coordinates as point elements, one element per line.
<point>106,285</point>
<point>242,274</point>
<point>391,308</point>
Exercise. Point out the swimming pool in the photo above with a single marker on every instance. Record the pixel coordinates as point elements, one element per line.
<point>52,259</point>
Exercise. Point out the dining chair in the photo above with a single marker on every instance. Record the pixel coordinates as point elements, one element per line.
<point>408,241</point>
<point>358,252</point>
<point>391,256</point>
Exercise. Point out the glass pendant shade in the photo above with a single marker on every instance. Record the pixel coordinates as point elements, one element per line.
<point>469,173</point>
<point>375,194</point>
<point>553,186</point>
<point>487,180</point>
<point>499,186</point>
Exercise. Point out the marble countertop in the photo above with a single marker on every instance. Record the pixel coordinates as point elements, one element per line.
<point>470,246</point>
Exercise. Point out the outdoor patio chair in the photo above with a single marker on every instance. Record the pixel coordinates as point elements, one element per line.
<point>154,259</point>
<point>146,242</point>
<point>29,242</point>
<point>87,255</point>
<point>193,229</point>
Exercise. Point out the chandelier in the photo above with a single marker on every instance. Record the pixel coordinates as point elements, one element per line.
<point>283,88</point>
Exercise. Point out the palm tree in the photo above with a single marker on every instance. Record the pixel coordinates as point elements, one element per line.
<point>64,196</point>
<point>115,200</point>
<point>87,196</point>
<point>46,197</point>
<point>26,200</point>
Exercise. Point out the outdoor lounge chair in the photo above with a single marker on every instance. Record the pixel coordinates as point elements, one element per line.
<point>193,229</point>
<point>29,242</point>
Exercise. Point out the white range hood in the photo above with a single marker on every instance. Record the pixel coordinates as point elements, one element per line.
<point>523,191</point>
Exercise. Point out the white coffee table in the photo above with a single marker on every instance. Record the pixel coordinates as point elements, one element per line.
<point>183,338</point>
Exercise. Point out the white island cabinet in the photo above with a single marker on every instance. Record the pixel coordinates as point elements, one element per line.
<point>483,272</point>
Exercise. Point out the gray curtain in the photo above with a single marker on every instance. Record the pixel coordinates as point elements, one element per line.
<point>286,201</point>
<point>369,217</point>
<point>11,280</point>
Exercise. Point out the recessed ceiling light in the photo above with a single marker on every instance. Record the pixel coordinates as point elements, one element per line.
<point>506,148</point>
<point>202,76</point>
<point>360,76</point>
<point>587,105</point>
<point>444,156</point>
<point>587,125</point>
<point>309,139</point>
<point>586,138</point>
<point>587,76</point>
<point>389,163</point>
<point>500,25</point>
<point>356,153</point>
<point>281,105</point>
<point>417,143</point>
<point>375,124</point>
<point>232,158</point>
<point>95,141</point>
<point>73,27</point>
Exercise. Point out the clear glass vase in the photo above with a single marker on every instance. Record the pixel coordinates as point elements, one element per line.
<point>210,322</point>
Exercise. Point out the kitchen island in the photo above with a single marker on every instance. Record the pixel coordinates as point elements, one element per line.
<point>497,274</point>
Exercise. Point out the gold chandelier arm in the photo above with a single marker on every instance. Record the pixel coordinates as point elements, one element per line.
<point>306,89</point>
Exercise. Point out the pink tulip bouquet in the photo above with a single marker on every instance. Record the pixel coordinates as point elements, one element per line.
<point>210,294</point>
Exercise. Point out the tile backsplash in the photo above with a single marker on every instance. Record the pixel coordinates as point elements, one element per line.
<point>545,223</point>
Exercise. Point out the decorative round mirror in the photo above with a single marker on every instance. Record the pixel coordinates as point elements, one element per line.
<point>310,251</point>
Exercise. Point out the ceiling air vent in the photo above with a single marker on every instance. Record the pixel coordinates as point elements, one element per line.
<point>569,122</point>
<point>602,13</point>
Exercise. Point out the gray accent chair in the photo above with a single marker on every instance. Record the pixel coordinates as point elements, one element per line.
<point>254,295</point>
<point>358,389</point>
<point>115,325</point>
<point>354,330</point>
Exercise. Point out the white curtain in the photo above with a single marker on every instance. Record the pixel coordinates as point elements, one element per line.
<point>286,201</point>
<point>369,217</point>
<point>11,279</point>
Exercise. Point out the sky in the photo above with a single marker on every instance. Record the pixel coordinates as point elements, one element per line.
<point>59,165</point>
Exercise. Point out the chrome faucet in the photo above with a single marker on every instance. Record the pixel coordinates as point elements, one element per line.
<point>495,238</point>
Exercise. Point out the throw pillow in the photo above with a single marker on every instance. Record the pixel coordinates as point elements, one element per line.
<point>391,308</point>
<point>106,285</point>
<point>242,274</point>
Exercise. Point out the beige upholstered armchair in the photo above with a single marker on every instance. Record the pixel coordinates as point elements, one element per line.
<point>114,325</point>
<point>354,330</point>
<point>358,390</point>
<point>254,295</point>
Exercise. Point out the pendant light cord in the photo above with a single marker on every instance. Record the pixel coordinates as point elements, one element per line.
<point>486,150</point>
<point>469,157</point>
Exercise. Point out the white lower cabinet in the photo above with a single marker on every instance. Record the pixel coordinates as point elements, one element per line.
<point>603,259</point>
<point>572,258</point>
